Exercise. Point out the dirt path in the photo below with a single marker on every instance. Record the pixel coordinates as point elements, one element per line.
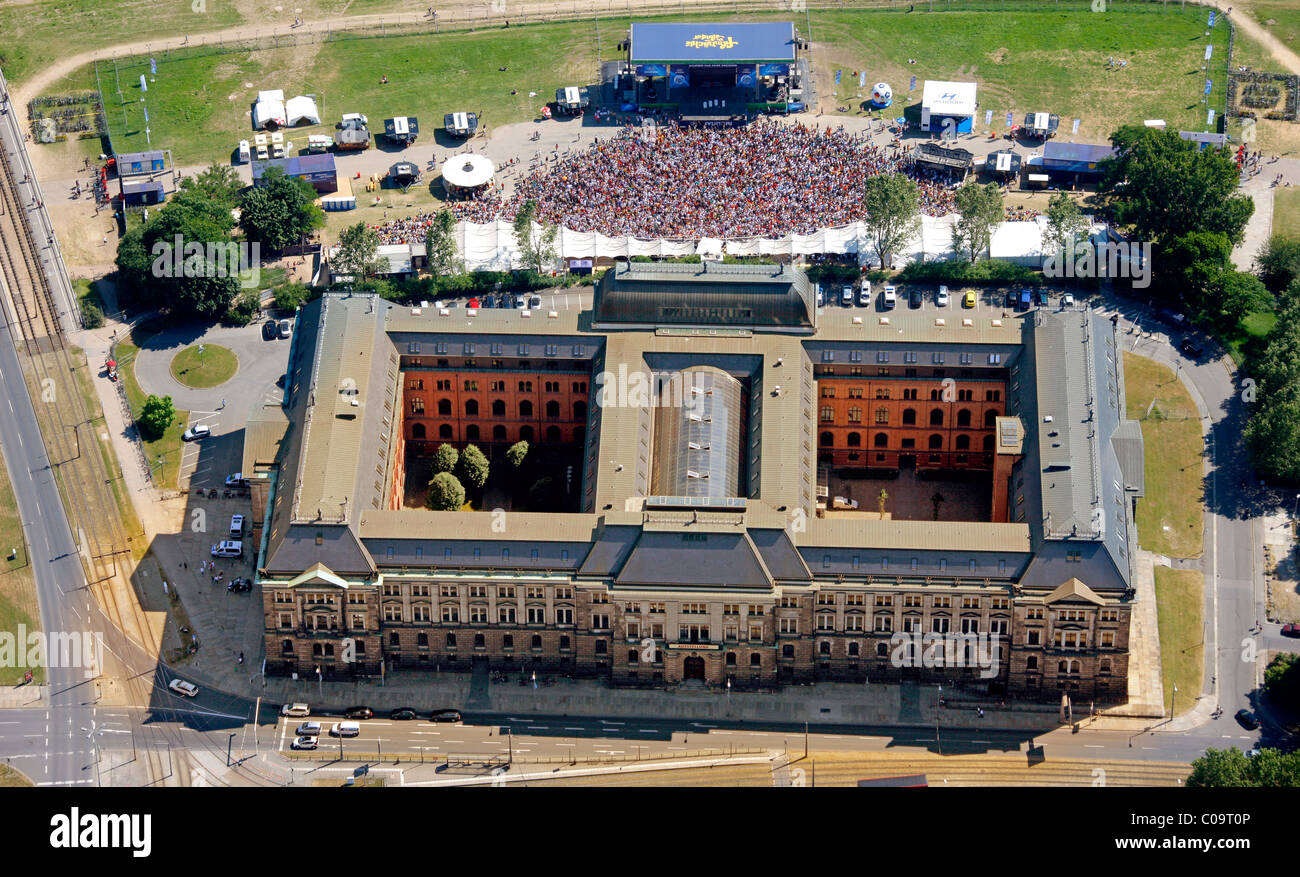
<point>1289,60</point>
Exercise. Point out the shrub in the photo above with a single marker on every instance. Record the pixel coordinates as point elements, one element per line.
<point>473,467</point>
<point>92,316</point>
<point>445,458</point>
<point>517,453</point>
<point>446,493</point>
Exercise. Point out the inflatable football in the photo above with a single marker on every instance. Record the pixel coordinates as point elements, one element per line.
<point>882,95</point>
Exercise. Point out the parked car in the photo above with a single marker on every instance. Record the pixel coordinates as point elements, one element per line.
<point>534,302</point>
<point>296,710</point>
<point>1067,300</point>
<point>521,302</point>
<point>968,300</point>
<point>891,296</point>
<point>236,480</point>
<point>197,431</point>
<point>308,729</point>
<point>914,298</point>
<point>183,688</point>
<point>304,743</point>
<point>240,585</point>
<point>402,714</point>
<point>345,729</point>
<point>488,302</point>
<point>1024,300</point>
<point>228,548</point>
<point>358,712</point>
<point>1190,348</point>
<point>864,295</point>
<point>445,716</point>
<point>236,526</point>
<point>843,503</point>
<point>846,295</point>
<point>472,303</point>
<point>270,330</point>
<point>1291,630</point>
<point>1041,298</point>
<point>284,330</point>
<point>1011,299</point>
<point>941,299</point>
<point>1247,720</point>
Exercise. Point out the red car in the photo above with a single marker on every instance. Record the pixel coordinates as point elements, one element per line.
<point>1291,630</point>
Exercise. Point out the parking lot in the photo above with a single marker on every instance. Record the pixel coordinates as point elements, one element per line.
<point>926,297</point>
<point>543,300</point>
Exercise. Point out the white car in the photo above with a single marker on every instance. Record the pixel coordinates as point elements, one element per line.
<point>236,480</point>
<point>236,526</point>
<point>864,295</point>
<point>345,729</point>
<point>1067,300</point>
<point>183,688</point>
<point>846,296</point>
<point>891,296</point>
<point>942,298</point>
<point>303,743</point>
<point>297,710</point>
<point>197,431</point>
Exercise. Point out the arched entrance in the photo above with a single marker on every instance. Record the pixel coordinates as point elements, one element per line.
<point>693,668</point>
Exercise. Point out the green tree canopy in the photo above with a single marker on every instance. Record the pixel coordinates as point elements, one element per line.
<point>281,211</point>
<point>1273,430</point>
<point>440,245</point>
<point>357,252</point>
<point>446,493</point>
<point>473,467</point>
<point>980,209</point>
<point>156,416</point>
<point>536,246</point>
<point>219,182</point>
<point>1163,187</point>
<point>1065,222</point>
<point>1232,768</point>
<point>893,205</point>
<point>1279,262</point>
<point>517,453</point>
<point>445,458</point>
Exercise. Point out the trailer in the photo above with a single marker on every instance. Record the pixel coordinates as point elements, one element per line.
<point>318,143</point>
<point>245,154</point>
<point>572,101</point>
<point>402,129</point>
<point>352,139</point>
<point>460,124</point>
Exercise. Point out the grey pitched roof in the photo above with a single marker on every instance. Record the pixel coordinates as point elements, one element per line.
<point>684,558</point>
<point>779,554</point>
<point>1128,445</point>
<point>718,294</point>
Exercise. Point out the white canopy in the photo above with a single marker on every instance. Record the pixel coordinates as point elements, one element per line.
<point>467,171</point>
<point>268,111</point>
<point>460,120</point>
<point>1041,121</point>
<point>273,94</point>
<point>948,98</point>
<point>571,95</point>
<point>302,109</point>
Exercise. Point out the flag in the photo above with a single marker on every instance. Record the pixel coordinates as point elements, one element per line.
<point>1209,118</point>
<point>912,87</point>
<point>837,76</point>
<point>146,115</point>
<point>862,79</point>
<point>1209,85</point>
<point>143,85</point>
<point>1209,50</point>
<point>1211,18</point>
<point>1010,119</point>
<point>153,67</point>
<point>988,117</point>
<point>1075,129</point>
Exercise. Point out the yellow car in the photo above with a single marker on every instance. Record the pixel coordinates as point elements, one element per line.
<point>968,300</point>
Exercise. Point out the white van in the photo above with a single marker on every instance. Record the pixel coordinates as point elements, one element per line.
<point>236,526</point>
<point>228,548</point>
<point>345,729</point>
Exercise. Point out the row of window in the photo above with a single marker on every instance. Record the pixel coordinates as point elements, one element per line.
<point>552,434</point>
<point>909,393</point>
<point>498,408</point>
<point>936,357</point>
<point>854,414</point>
<point>496,386</point>
<point>469,348</point>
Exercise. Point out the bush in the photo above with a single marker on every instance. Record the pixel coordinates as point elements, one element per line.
<point>473,467</point>
<point>1282,680</point>
<point>960,271</point>
<point>517,453</point>
<point>291,296</point>
<point>156,416</point>
<point>246,306</point>
<point>446,493</point>
<point>92,316</point>
<point>445,458</point>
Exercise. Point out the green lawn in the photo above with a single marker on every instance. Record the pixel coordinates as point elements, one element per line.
<point>1026,57</point>
<point>1286,212</point>
<point>216,366</point>
<point>17,583</point>
<point>1282,19</point>
<point>1180,604</point>
<point>167,448</point>
<point>1169,517</point>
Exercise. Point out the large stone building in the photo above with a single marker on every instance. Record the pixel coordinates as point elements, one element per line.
<point>712,416</point>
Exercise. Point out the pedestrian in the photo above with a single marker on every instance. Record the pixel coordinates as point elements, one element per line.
<point>981,711</point>
<point>185,564</point>
<point>223,403</point>
<point>241,657</point>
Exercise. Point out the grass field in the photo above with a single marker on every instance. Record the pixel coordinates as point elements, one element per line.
<point>1286,212</point>
<point>1180,604</point>
<point>1025,58</point>
<point>1281,18</point>
<point>216,366</point>
<point>1169,517</point>
<point>168,447</point>
<point>17,582</point>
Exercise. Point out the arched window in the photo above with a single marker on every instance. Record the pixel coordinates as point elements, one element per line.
<point>498,433</point>
<point>579,410</point>
<point>731,659</point>
<point>537,641</point>
<point>909,417</point>
<point>936,417</point>
<point>498,408</point>
<point>633,656</point>
<point>963,442</point>
<point>417,431</point>
<point>755,659</point>
<point>882,650</point>
<point>553,434</point>
<point>824,647</point>
<point>855,439</point>
<point>936,441</point>
<point>552,408</point>
<point>471,433</point>
<point>963,417</point>
<point>988,442</point>
<point>881,440</point>
<point>444,431</point>
<point>787,651</point>
<point>525,433</point>
<point>444,407</point>
<point>854,649</point>
<point>934,395</point>
<point>525,408</point>
<point>989,417</point>
<point>471,407</point>
<point>827,439</point>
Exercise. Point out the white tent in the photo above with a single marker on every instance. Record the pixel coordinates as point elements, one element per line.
<point>301,110</point>
<point>954,100</point>
<point>269,109</point>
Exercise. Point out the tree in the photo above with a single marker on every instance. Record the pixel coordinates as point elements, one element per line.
<point>1278,262</point>
<point>1065,223</point>
<point>893,205</point>
<point>881,499</point>
<point>1163,187</point>
<point>92,315</point>
<point>1227,297</point>
<point>156,416</point>
<point>1273,431</point>
<point>517,453</point>
<point>244,308</point>
<point>440,245</point>
<point>219,182</point>
<point>473,467</point>
<point>281,211</point>
<point>1282,680</point>
<point>446,493</point>
<point>445,458</point>
<point>356,254</point>
<point>542,496</point>
<point>536,246</point>
<point>290,296</point>
<point>1231,768</point>
<point>981,210</point>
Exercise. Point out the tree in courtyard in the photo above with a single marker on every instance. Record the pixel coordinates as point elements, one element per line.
<point>446,493</point>
<point>472,468</point>
<point>281,211</point>
<point>980,209</point>
<point>893,205</point>
<point>517,453</point>
<point>357,253</point>
<point>156,416</point>
<point>445,458</point>
<point>536,245</point>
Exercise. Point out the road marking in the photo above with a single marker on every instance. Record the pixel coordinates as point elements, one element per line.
<point>1092,746</point>
<point>647,731</point>
<point>608,722</point>
<point>575,729</point>
<point>538,727</point>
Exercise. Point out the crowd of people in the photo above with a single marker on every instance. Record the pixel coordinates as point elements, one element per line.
<point>766,179</point>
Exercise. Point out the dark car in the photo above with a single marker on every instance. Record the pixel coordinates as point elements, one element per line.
<point>446,716</point>
<point>1024,299</point>
<point>270,329</point>
<point>1191,348</point>
<point>1011,298</point>
<point>1247,720</point>
<point>240,586</point>
<point>402,714</point>
<point>488,302</point>
<point>279,382</point>
<point>358,712</point>
<point>914,298</point>
<point>1041,298</point>
<point>1291,630</point>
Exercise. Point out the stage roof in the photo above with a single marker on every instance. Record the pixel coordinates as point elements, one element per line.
<point>949,98</point>
<point>713,43</point>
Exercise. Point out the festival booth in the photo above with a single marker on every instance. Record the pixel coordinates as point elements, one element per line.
<point>1004,164</point>
<point>463,176</point>
<point>714,72</point>
<point>1041,126</point>
<point>1074,162</point>
<point>301,110</point>
<point>933,157</point>
<point>404,175</point>
<point>269,111</point>
<point>948,107</point>
<point>460,124</point>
